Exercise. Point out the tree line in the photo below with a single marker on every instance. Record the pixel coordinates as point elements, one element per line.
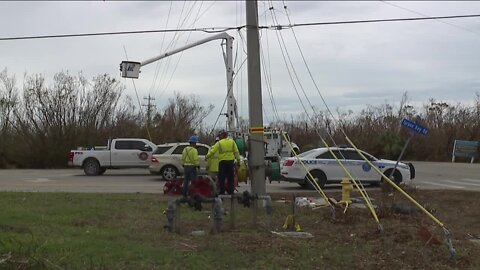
<point>378,129</point>
<point>40,123</point>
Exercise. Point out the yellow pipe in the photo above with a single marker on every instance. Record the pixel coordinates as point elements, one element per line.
<point>395,186</point>
<point>314,183</point>
<point>367,200</point>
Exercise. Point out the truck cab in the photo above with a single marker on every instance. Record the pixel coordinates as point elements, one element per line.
<point>131,152</point>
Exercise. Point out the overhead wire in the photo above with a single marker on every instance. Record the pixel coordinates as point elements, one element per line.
<point>359,185</point>
<point>172,43</point>
<point>159,63</point>
<point>362,192</point>
<point>294,70</point>
<point>202,29</point>
<point>312,107</point>
<point>181,23</point>
<point>268,69</point>
<point>239,50</point>
<point>372,165</point>
<point>268,83</point>
<point>427,16</point>
<point>315,185</point>
<point>280,27</point>
<point>227,28</point>
<point>197,17</point>
<point>226,96</point>
<point>138,99</point>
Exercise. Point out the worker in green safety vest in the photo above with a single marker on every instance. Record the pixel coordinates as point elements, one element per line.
<point>190,163</point>
<point>212,163</point>
<point>227,154</point>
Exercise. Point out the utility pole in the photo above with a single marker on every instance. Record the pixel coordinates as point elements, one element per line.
<point>149,106</point>
<point>256,156</point>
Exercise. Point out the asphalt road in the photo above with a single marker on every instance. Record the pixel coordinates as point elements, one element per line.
<point>429,175</point>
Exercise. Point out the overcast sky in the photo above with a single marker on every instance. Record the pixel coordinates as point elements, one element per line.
<point>353,64</point>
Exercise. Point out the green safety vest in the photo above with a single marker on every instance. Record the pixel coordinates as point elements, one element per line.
<point>190,156</point>
<point>227,150</point>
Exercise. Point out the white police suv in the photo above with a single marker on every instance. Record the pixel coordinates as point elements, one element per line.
<point>326,170</point>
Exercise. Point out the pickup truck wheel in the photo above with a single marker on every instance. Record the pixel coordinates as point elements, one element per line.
<point>91,167</point>
<point>319,177</point>
<point>169,173</point>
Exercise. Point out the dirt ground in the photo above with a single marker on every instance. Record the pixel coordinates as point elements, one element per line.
<point>406,230</point>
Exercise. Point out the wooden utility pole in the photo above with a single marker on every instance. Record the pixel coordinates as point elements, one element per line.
<point>256,155</point>
<point>149,106</point>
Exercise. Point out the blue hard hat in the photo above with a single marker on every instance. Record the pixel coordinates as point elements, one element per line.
<point>193,139</point>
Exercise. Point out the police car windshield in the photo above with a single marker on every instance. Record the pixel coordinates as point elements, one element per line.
<point>308,153</point>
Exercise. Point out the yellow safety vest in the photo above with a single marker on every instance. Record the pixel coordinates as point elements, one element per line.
<point>190,156</point>
<point>213,162</point>
<point>227,150</point>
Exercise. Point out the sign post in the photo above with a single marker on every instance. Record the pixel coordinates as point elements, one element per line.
<point>414,127</point>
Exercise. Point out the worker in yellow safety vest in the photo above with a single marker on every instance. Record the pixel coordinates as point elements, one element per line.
<point>227,154</point>
<point>190,162</point>
<point>212,163</point>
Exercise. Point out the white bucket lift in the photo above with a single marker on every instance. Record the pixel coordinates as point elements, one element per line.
<point>130,69</point>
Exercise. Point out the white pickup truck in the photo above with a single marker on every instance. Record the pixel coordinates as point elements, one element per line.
<point>120,153</point>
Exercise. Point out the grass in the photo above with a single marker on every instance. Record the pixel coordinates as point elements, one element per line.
<point>125,231</point>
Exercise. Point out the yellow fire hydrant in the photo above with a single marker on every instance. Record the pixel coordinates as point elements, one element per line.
<point>346,189</point>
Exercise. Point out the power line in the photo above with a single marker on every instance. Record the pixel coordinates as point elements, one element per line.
<point>279,27</point>
<point>421,14</point>
<point>208,30</point>
<point>223,29</point>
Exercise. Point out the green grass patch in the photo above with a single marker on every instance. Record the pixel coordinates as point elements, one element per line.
<point>126,231</point>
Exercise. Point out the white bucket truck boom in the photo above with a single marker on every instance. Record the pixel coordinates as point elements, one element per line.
<point>131,69</point>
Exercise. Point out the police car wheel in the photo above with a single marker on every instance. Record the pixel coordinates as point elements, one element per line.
<point>320,178</point>
<point>397,176</point>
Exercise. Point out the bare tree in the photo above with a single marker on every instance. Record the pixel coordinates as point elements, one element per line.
<point>182,117</point>
<point>8,103</point>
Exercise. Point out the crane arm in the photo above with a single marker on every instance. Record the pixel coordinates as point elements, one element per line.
<point>222,35</point>
<point>131,69</point>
